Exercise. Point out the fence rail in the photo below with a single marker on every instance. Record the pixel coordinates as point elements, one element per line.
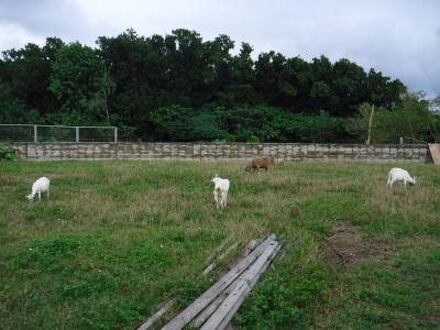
<point>57,133</point>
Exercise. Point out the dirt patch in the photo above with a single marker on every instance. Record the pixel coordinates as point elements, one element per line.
<point>378,249</point>
<point>348,246</point>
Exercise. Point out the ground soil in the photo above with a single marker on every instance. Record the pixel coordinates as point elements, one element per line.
<point>347,245</point>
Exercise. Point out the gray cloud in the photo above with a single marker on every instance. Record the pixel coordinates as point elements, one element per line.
<point>399,38</point>
<point>44,18</point>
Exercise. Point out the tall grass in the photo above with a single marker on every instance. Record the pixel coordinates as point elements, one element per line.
<point>119,237</point>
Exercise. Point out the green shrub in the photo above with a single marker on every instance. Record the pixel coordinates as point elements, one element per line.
<point>7,152</point>
<point>176,123</point>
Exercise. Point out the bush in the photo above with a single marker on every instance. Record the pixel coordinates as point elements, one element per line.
<point>321,128</point>
<point>176,123</point>
<point>7,152</point>
<point>246,124</point>
<point>411,119</point>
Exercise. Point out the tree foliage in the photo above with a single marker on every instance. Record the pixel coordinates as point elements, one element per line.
<point>177,123</point>
<point>249,124</point>
<point>411,120</point>
<point>79,80</point>
<point>181,87</point>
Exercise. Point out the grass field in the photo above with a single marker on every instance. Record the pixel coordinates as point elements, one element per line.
<point>117,238</point>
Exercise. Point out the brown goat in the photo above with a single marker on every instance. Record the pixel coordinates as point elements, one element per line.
<point>259,162</point>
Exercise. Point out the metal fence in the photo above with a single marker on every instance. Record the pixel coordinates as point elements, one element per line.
<point>57,133</point>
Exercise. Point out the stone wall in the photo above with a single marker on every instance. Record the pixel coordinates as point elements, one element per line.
<point>211,151</point>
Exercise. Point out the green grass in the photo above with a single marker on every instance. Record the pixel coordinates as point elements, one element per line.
<point>117,238</point>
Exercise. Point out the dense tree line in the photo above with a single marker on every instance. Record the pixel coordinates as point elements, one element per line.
<point>182,88</point>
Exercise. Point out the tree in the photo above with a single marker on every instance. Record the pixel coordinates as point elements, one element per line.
<point>129,77</point>
<point>272,79</point>
<point>361,126</point>
<point>321,91</point>
<point>177,123</point>
<point>349,85</point>
<point>80,81</point>
<point>411,119</point>
<point>12,109</point>
<point>234,84</point>
<point>27,71</point>
<point>299,76</point>
<point>383,92</point>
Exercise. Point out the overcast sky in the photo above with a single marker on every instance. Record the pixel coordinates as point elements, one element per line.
<point>401,38</point>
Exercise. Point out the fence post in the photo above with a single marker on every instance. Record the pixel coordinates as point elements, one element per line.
<point>401,140</point>
<point>116,135</point>
<point>35,134</point>
<point>77,134</point>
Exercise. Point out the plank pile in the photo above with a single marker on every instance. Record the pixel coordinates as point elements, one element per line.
<point>215,308</point>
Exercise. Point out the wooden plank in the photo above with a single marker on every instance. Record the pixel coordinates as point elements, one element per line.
<point>170,303</point>
<point>209,295</point>
<point>211,266</point>
<point>252,245</point>
<point>149,323</point>
<point>268,263</point>
<point>243,286</point>
<point>204,315</point>
<point>217,251</point>
<point>226,324</point>
<point>434,149</point>
<point>212,307</point>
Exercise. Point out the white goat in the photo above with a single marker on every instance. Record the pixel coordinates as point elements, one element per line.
<point>221,188</point>
<point>39,186</point>
<point>399,174</point>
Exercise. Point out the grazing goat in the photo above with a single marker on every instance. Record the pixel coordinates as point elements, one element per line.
<point>221,188</point>
<point>259,162</point>
<point>398,174</point>
<point>39,186</point>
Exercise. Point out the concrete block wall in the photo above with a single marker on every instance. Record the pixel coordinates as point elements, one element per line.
<point>212,151</point>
